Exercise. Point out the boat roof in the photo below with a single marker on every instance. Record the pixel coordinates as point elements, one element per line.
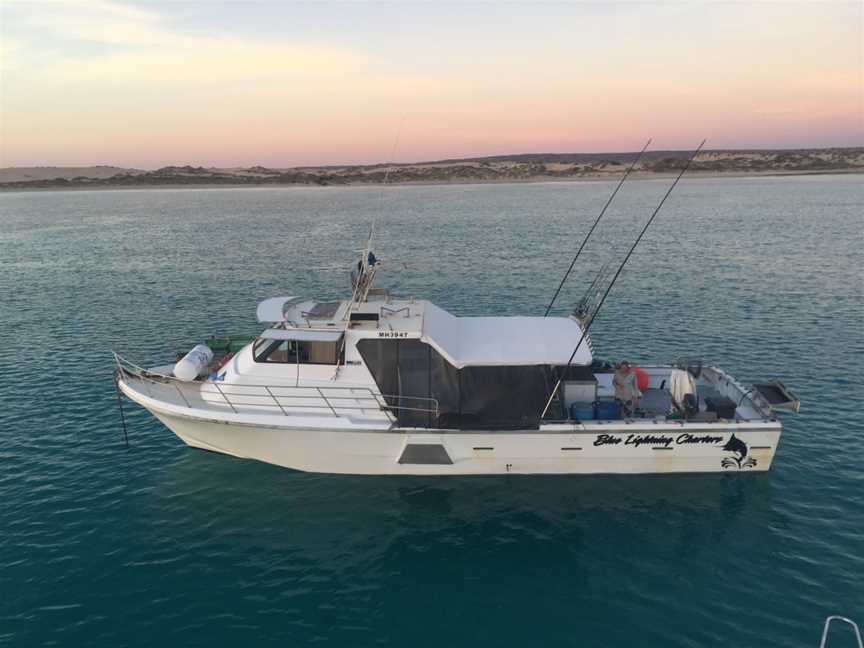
<point>463,341</point>
<point>504,341</point>
<point>272,310</point>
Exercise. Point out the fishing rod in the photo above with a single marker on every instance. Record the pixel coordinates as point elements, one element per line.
<point>583,306</point>
<point>591,231</point>
<point>390,164</point>
<point>615,278</point>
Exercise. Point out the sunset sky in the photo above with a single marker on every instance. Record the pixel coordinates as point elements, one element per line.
<point>230,83</point>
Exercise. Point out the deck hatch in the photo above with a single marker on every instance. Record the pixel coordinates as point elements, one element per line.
<point>425,453</point>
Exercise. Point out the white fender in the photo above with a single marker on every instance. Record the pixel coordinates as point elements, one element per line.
<point>194,363</point>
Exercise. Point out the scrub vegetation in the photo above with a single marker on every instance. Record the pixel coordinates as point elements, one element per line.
<point>509,168</point>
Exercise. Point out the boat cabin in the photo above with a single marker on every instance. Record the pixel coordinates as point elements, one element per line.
<point>438,371</point>
<point>481,372</point>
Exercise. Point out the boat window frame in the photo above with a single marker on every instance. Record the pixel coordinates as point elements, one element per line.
<point>300,354</point>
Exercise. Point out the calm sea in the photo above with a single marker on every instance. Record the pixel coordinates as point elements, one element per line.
<point>161,545</point>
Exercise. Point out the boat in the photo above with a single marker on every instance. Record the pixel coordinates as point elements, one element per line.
<point>380,384</point>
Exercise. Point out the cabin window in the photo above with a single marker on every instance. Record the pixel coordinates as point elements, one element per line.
<point>296,352</point>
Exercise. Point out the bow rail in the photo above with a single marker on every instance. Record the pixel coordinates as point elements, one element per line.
<point>288,400</point>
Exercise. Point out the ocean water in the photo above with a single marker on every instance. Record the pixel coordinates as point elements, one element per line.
<point>162,545</point>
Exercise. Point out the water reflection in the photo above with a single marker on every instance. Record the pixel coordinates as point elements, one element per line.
<point>265,507</point>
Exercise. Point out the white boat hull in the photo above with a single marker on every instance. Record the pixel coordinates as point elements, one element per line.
<point>636,449</point>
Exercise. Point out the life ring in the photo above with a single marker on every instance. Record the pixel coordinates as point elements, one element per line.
<point>642,379</point>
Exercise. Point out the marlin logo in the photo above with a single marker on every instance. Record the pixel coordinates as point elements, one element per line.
<point>739,450</point>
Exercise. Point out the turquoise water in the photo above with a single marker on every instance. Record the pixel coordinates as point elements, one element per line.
<point>163,545</point>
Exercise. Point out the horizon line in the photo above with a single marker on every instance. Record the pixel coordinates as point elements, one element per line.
<point>499,157</point>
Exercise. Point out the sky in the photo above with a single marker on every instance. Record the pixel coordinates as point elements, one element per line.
<point>277,83</point>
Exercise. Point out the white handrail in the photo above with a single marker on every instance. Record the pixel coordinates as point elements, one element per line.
<point>844,620</point>
<point>359,398</point>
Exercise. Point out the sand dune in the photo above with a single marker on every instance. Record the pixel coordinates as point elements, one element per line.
<point>514,168</point>
<point>29,174</point>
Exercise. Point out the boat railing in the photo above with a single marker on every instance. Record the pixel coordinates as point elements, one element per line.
<point>336,401</point>
<point>842,619</point>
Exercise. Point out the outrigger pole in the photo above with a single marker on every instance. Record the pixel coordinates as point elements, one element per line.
<point>618,272</point>
<point>591,231</point>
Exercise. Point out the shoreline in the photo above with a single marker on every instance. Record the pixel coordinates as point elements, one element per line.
<point>635,176</point>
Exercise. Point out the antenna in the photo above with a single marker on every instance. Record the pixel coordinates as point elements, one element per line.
<point>591,231</point>
<point>365,272</point>
<point>620,268</point>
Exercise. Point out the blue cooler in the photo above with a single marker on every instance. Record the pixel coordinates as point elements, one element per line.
<point>582,411</point>
<point>607,410</point>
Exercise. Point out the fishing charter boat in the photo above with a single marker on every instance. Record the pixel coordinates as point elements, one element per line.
<point>382,384</point>
<point>378,384</point>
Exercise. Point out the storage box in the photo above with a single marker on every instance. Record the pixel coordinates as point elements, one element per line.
<point>722,405</point>
<point>656,402</point>
<point>582,411</point>
<point>607,410</point>
<point>579,391</point>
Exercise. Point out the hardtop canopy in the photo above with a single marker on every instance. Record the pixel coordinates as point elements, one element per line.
<point>504,341</point>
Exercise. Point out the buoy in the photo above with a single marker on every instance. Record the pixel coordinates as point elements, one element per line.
<point>194,363</point>
<point>642,379</point>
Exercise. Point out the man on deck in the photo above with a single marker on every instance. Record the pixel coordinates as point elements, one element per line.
<point>626,388</point>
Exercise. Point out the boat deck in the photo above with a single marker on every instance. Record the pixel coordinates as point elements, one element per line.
<point>712,384</point>
<point>355,405</point>
<point>206,397</point>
